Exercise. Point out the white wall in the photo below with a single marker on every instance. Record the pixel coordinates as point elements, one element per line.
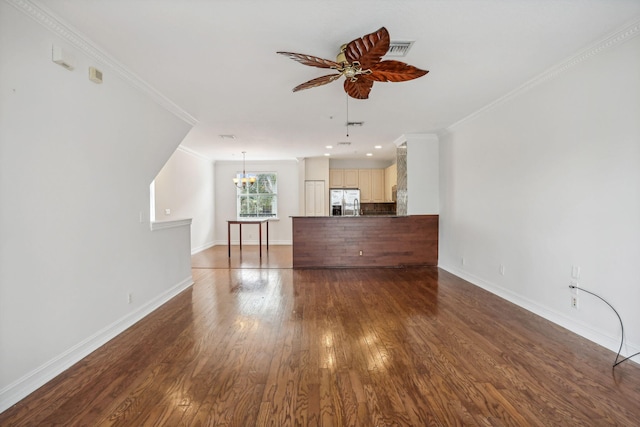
<point>547,180</point>
<point>185,187</point>
<point>317,169</point>
<point>76,161</point>
<point>302,173</point>
<point>423,194</point>
<point>280,232</point>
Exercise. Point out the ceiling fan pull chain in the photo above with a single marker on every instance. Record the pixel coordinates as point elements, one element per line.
<point>347,115</point>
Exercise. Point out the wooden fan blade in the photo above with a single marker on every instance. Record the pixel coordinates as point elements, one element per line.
<point>317,82</point>
<point>312,61</point>
<point>369,49</point>
<point>359,89</point>
<point>393,71</point>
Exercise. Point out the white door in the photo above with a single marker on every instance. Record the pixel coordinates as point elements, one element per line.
<point>314,198</point>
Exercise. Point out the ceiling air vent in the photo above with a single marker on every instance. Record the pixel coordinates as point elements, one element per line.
<point>355,123</point>
<point>399,48</point>
<point>344,143</point>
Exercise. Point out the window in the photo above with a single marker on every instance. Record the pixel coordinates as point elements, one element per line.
<point>259,200</point>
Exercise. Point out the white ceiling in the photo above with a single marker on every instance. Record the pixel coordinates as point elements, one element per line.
<point>216,59</point>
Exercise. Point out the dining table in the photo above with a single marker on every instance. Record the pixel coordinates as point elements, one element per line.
<point>240,223</point>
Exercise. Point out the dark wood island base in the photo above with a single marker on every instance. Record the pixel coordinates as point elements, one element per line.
<point>365,241</point>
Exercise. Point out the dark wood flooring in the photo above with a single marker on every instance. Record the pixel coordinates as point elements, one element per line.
<point>278,256</point>
<point>270,346</point>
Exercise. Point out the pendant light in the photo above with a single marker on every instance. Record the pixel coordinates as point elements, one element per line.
<point>244,181</point>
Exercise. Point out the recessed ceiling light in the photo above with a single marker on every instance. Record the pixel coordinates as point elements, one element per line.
<point>369,154</point>
<point>327,154</point>
<point>377,147</point>
<point>329,147</point>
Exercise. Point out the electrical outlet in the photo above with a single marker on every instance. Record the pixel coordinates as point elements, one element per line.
<point>129,298</point>
<point>462,261</point>
<point>574,301</point>
<point>573,286</point>
<point>360,253</point>
<point>502,270</point>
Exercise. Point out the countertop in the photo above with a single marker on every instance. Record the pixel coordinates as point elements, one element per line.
<point>350,216</point>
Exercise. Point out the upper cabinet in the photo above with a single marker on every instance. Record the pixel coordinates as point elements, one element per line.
<point>364,180</point>
<point>351,179</point>
<point>390,179</point>
<point>343,178</point>
<point>336,178</point>
<point>377,185</point>
<point>371,183</point>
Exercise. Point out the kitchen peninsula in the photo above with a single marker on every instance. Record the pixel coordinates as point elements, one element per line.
<point>365,241</point>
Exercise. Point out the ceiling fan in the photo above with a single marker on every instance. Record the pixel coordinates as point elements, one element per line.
<point>359,61</point>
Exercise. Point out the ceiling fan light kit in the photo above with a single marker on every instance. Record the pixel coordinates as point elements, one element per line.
<point>360,62</point>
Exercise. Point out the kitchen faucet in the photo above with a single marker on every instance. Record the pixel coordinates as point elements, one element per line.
<point>356,207</point>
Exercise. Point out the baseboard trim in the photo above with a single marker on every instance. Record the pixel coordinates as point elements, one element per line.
<point>202,248</point>
<point>253,242</point>
<point>605,340</point>
<point>21,388</point>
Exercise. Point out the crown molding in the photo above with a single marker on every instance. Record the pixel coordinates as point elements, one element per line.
<point>622,35</point>
<point>193,153</point>
<point>54,24</point>
<point>416,137</point>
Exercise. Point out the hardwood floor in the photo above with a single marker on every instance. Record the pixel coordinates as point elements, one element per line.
<point>363,347</point>
<point>278,256</point>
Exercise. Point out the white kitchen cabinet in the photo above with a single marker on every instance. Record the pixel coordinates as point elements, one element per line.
<point>314,198</point>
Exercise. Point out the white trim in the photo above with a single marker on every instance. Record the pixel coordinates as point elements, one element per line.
<point>254,242</point>
<point>188,150</point>
<point>202,248</point>
<point>606,340</point>
<point>626,33</point>
<point>27,384</point>
<point>400,140</point>
<point>56,25</point>
<point>176,223</point>
<point>152,202</point>
<point>416,137</point>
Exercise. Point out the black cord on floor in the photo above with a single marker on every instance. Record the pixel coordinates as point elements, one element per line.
<point>616,362</point>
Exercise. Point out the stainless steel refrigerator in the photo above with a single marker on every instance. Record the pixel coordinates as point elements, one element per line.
<point>345,202</point>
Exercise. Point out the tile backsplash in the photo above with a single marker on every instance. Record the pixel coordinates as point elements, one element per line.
<point>378,208</point>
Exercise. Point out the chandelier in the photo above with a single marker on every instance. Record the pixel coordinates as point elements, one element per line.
<point>245,180</point>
